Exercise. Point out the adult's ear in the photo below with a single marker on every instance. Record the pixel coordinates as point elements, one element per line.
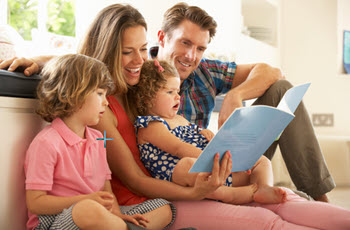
<point>161,37</point>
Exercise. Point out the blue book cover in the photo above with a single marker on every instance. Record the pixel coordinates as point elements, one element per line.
<point>249,132</point>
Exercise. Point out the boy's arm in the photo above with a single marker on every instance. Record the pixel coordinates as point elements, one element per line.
<point>115,208</point>
<point>39,203</point>
<point>158,134</point>
<point>137,219</point>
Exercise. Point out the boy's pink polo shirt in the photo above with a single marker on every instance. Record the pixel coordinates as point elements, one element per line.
<point>63,164</point>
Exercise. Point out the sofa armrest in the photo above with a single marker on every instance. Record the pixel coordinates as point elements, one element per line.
<point>15,84</point>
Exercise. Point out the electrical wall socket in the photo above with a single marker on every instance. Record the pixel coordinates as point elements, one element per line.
<point>322,119</point>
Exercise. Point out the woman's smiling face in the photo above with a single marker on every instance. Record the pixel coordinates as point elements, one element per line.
<point>134,53</point>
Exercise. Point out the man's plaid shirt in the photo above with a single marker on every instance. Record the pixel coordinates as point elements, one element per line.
<point>198,91</point>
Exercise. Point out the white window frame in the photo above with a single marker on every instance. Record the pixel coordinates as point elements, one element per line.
<point>3,12</point>
<point>42,15</point>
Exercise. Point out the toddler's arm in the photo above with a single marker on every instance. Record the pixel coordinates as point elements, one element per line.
<point>207,133</point>
<point>157,134</point>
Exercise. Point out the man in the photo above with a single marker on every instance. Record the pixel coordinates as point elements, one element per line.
<point>186,31</point>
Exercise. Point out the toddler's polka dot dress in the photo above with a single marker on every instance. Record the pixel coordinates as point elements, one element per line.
<point>160,163</point>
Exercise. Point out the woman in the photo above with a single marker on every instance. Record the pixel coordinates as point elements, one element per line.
<point>118,38</point>
<point>123,28</point>
<point>121,44</point>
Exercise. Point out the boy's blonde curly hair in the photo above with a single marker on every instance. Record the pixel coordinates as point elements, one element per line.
<point>66,82</point>
<point>152,79</point>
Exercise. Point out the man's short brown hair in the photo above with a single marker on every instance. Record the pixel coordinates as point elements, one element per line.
<point>174,16</point>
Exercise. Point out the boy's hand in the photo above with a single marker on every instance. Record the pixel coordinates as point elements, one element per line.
<point>104,198</point>
<point>207,134</point>
<point>136,219</point>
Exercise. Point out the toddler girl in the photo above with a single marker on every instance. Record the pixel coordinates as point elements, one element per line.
<point>169,144</point>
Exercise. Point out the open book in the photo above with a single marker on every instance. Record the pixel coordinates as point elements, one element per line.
<point>249,132</point>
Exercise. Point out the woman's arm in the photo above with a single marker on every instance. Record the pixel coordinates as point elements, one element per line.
<point>39,203</point>
<point>123,165</point>
<point>158,134</point>
<point>28,65</point>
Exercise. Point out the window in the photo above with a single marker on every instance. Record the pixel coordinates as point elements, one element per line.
<point>56,16</point>
<point>61,17</point>
<point>22,16</point>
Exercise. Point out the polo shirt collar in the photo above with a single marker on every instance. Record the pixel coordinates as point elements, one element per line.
<point>68,135</point>
<point>72,138</point>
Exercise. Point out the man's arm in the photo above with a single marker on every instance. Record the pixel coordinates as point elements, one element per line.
<point>28,65</point>
<point>250,81</point>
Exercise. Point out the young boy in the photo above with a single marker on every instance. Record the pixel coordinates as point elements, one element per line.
<point>67,175</point>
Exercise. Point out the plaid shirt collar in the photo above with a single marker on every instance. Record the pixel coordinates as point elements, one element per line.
<point>187,83</point>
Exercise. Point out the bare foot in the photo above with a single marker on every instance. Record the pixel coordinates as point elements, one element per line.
<point>322,198</point>
<point>240,195</point>
<point>270,195</point>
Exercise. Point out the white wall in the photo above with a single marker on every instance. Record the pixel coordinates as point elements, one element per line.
<point>309,54</point>
<point>261,15</point>
<point>227,15</point>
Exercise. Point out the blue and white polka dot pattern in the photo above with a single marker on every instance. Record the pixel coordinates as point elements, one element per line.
<point>160,163</point>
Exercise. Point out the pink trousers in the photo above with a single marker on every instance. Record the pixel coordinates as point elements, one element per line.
<point>296,213</point>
